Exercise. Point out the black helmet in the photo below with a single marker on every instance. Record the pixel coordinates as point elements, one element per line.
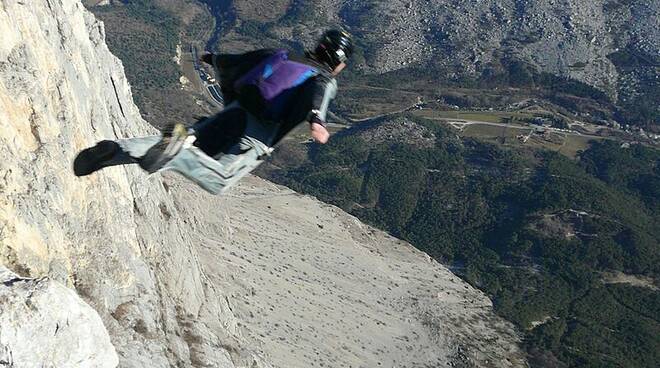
<point>334,47</point>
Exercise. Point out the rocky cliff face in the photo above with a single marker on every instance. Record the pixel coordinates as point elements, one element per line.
<point>116,238</point>
<point>180,278</point>
<point>43,323</point>
<point>314,287</point>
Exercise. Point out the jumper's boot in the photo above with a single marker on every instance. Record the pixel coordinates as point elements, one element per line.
<point>104,154</point>
<point>174,138</point>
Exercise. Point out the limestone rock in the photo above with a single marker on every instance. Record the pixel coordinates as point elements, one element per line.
<point>115,236</point>
<point>45,324</point>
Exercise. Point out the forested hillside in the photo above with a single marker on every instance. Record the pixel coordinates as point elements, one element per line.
<point>568,250</point>
<point>148,36</point>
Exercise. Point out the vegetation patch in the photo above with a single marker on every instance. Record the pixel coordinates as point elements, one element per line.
<point>145,37</point>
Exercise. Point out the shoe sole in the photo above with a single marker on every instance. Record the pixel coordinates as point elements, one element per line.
<point>93,159</point>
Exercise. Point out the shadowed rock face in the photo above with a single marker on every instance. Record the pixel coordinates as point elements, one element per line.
<point>180,278</point>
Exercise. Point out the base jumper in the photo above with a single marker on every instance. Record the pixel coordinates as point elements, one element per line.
<point>267,93</point>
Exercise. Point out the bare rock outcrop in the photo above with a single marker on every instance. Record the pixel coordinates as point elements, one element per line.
<point>46,324</point>
<point>571,38</point>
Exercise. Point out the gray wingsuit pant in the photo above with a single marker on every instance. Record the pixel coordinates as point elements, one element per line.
<point>218,173</point>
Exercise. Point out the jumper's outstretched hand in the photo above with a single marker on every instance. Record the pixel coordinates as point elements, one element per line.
<point>319,133</point>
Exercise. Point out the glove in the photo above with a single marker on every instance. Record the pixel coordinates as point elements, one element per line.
<point>315,119</point>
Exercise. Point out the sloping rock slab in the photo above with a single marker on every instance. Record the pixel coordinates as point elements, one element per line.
<point>45,324</point>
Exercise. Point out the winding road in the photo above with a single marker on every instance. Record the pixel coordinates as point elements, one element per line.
<point>212,89</point>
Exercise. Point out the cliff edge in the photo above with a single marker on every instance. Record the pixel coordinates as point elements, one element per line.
<point>116,238</point>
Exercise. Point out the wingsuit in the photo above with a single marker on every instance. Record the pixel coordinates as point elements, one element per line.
<point>267,94</point>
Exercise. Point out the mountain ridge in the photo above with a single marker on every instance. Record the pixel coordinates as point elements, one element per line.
<point>484,42</point>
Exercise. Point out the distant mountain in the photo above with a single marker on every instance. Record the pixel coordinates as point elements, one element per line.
<point>610,45</point>
<point>597,60</point>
